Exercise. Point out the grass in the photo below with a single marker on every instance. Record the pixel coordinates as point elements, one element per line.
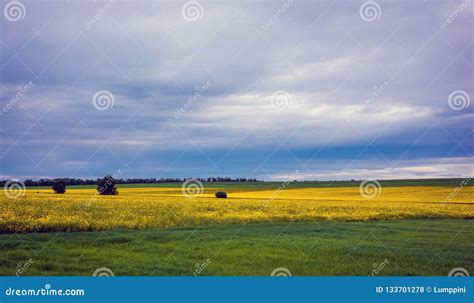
<point>275,184</point>
<point>411,247</point>
<point>408,227</point>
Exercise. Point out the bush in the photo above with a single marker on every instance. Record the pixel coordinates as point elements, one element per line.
<point>221,194</point>
<point>106,186</point>
<point>59,186</point>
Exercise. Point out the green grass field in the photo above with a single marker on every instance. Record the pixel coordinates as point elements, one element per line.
<point>407,247</point>
<point>410,244</point>
<point>275,184</point>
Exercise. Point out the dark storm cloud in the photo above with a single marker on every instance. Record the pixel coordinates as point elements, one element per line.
<point>357,98</point>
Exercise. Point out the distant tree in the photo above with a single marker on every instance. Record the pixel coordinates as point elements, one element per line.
<point>221,194</point>
<point>59,186</point>
<point>106,186</point>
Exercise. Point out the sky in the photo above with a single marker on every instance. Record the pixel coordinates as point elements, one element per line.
<point>273,90</point>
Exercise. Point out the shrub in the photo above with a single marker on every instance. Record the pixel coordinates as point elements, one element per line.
<point>59,186</point>
<point>106,186</point>
<point>221,194</point>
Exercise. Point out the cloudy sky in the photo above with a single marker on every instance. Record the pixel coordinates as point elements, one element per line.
<point>261,89</point>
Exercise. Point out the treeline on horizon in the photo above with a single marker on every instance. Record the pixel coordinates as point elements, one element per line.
<point>74,181</point>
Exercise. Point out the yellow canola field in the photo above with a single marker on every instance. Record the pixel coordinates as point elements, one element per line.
<point>139,208</point>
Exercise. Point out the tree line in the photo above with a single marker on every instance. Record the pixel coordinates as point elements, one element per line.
<point>75,181</point>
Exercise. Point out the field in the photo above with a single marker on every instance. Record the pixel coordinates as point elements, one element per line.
<point>310,229</point>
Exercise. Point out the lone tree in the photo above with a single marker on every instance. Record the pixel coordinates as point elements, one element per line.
<point>221,194</point>
<point>59,186</point>
<point>106,186</point>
